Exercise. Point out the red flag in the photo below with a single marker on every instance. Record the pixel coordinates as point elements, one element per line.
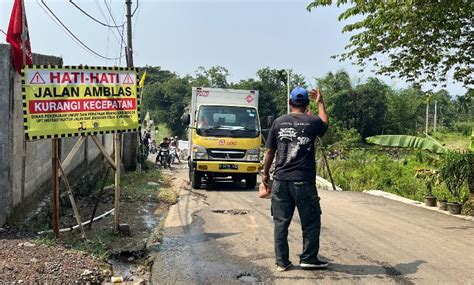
<point>14,36</point>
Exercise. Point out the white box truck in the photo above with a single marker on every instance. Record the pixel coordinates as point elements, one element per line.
<point>224,136</point>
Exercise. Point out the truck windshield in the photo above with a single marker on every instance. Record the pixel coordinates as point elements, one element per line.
<point>227,121</point>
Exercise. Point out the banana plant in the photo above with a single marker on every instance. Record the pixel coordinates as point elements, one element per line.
<point>406,141</point>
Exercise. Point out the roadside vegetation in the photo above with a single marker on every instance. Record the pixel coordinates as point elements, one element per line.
<point>138,189</point>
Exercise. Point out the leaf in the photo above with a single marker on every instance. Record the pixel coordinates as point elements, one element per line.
<point>406,141</point>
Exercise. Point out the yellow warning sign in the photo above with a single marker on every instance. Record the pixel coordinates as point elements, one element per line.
<point>75,101</point>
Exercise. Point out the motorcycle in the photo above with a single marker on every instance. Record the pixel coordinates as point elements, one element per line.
<point>165,158</point>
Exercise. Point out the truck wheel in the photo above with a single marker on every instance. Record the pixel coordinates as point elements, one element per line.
<point>195,179</point>
<point>251,181</point>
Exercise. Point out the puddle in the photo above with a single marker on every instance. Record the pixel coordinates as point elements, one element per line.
<point>232,212</point>
<point>149,219</point>
<point>122,268</point>
<point>247,277</point>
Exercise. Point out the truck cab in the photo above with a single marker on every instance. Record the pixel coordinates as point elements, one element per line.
<point>224,136</point>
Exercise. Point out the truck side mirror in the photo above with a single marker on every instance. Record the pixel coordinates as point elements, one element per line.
<point>270,120</point>
<point>185,118</point>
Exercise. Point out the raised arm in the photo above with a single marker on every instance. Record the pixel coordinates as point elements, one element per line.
<point>316,95</point>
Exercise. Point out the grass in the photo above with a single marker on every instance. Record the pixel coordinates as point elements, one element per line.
<point>97,245</point>
<point>148,185</point>
<point>453,140</point>
<point>363,170</point>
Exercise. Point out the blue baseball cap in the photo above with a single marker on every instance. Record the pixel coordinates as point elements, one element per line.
<point>299,93</point>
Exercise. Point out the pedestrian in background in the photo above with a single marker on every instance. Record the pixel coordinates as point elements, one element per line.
<point>292,137</point>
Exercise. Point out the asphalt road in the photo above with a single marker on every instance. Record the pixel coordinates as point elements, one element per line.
<point>224,235</point>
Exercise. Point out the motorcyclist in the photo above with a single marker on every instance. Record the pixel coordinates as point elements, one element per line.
<point>165,143</point>
<point>175,143</point>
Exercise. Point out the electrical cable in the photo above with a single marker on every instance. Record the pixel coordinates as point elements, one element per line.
<point>109,9</point>
<point>136,19</point>
<point>108,22</point>
<point>123,31</point>
<point>113,19</point>
<point>88,15</point>
<point>69,33</point>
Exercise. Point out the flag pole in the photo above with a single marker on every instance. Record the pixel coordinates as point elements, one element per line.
<point>23,48</point>
<point>23,31</point>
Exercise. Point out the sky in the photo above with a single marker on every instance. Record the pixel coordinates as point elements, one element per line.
<point>241,35</point>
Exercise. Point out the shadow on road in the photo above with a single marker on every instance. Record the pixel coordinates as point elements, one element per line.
<point>379,269</point>
<point>225,185</point>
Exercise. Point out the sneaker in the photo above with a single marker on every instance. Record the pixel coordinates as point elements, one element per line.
<point>284,268</point>
<point>315,265</point>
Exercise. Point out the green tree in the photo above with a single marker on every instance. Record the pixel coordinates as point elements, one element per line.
<point>419,40</point>
<point>215,77</point>
<point>402,111</point>
<point>166,101</point>
<point>272,86</point>
<point>362,107</point>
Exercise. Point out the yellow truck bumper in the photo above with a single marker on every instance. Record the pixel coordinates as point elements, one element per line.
<point>214,166</point>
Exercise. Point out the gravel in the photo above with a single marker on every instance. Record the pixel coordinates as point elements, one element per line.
<point>24,261</point>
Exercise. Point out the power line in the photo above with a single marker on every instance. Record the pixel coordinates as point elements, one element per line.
<point>122,41</point>
<point>136,7</point>
<point>117,62</point>
<point>113,20</point>
<point>69,33</point>
<point>88,15</point>
<point>123,29</point>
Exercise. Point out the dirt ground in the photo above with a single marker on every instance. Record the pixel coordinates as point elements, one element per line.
<point>23,260</point>
<point>26,257</point>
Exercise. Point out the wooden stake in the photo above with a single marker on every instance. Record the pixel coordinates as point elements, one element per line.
<point>117,179</point>
<point>72,153</point>
<point>55,185</point>
<point>323,151</point>
<point>71,199</point>
<point>105,154</point>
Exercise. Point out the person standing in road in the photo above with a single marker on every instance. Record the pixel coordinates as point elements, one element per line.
<point>292,138</point>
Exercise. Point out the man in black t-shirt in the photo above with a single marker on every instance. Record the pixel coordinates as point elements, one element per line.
<point>292,138</point>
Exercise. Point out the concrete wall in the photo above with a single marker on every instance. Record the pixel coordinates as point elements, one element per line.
<point>5,133</point>
<point>38,153</point>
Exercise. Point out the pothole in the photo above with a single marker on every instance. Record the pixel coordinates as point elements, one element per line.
<point>247,277</point>
<point>232,212</point>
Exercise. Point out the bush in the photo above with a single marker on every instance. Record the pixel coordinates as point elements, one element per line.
<point>363,170</point>
<point>454,172</point>
<point>464,128</point>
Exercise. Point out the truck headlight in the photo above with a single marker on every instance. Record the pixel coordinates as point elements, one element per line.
<point>253,154</point>
<point>199,152</point>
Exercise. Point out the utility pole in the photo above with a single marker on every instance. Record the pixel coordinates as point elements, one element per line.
<point>288,92</point>
<point>129,139</point>
<point>435,116</point>
<point>427,114</point>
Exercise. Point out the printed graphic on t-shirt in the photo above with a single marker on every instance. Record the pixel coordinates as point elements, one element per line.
<point>293,138</point>
<point>291,144</point>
